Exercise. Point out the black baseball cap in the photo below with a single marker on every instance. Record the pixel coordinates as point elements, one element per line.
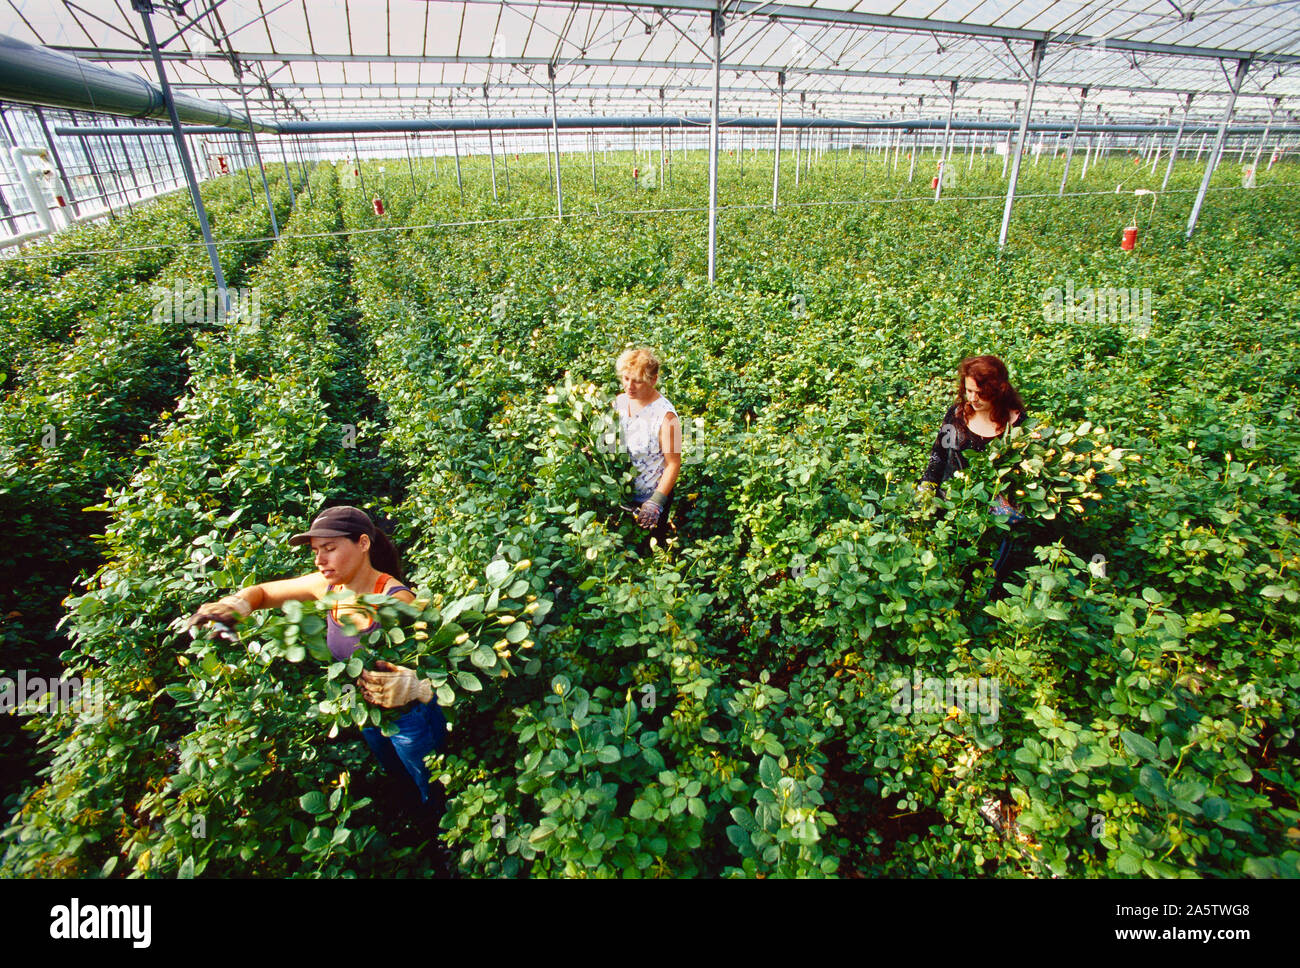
<point>336,522</point>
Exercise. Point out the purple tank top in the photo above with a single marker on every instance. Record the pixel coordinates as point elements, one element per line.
<point>341,644</point>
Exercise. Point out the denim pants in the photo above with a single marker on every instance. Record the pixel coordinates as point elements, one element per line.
<point>419,733</point>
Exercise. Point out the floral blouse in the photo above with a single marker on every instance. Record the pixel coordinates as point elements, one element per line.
<point>955,437</point>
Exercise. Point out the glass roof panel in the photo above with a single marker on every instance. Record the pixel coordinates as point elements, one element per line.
<point>860,58</point>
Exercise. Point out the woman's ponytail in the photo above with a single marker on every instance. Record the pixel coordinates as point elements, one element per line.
<point>384,556</point>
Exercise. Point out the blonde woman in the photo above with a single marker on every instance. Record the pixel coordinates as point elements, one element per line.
<point>652,436</point>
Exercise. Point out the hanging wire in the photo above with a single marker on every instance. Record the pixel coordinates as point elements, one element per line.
<point>689,210</point>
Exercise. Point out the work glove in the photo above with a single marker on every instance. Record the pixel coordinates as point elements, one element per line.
<point>228,611</point>
<point>391,686</point>
<point>650,511</point>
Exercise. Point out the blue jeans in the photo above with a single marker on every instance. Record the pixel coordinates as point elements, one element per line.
<point>419,733</point>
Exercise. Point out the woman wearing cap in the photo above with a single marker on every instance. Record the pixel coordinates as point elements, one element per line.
<point>651,433</point>
<point>353,555</point>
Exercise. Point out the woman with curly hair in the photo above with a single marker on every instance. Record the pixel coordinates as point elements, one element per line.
<point>987,406</point>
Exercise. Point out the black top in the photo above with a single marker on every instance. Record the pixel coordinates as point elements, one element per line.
<point>947,460</point>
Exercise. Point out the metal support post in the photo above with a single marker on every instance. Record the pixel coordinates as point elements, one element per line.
<point>94,172</point>
<point>1254,165</point>
<point>1173,151</point>
<point>1036,62</point>
<point>144,8</point>
<point>947,134</point>
<point>776,160</point>
<point>492,152</point>
<point>306,172</point>
<point>356,154</point>
<point>1006,155</point>
<point>555,127</point>
<point>130,168</point>
<point>1242,67</point>
<point>257,153</point>
<point>455,146</point>
<point>410,166</point>
<point>715,19</point>
<point>505,161</point>
<point>247,166</point>
<point>663,149</point>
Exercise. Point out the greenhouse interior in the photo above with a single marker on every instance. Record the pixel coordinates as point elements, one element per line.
<point>322,313</point>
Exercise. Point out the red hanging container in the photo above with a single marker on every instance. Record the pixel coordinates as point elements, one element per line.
<point>934,182</point>
<point>378,203</point>
<point>1130,237</point>
<point>635,172</point>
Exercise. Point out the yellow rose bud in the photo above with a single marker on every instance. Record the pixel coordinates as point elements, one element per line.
<point>530,608</point>
<point>506,620</point>
<point>462,638</point>
<point>421,636</point>
<point>421,625</point>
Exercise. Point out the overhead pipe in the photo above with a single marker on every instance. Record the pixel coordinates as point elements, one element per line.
<point>37,75</point>
<point>399,125</point>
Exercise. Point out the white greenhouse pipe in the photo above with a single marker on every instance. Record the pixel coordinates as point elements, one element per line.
<point>36,196</point>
